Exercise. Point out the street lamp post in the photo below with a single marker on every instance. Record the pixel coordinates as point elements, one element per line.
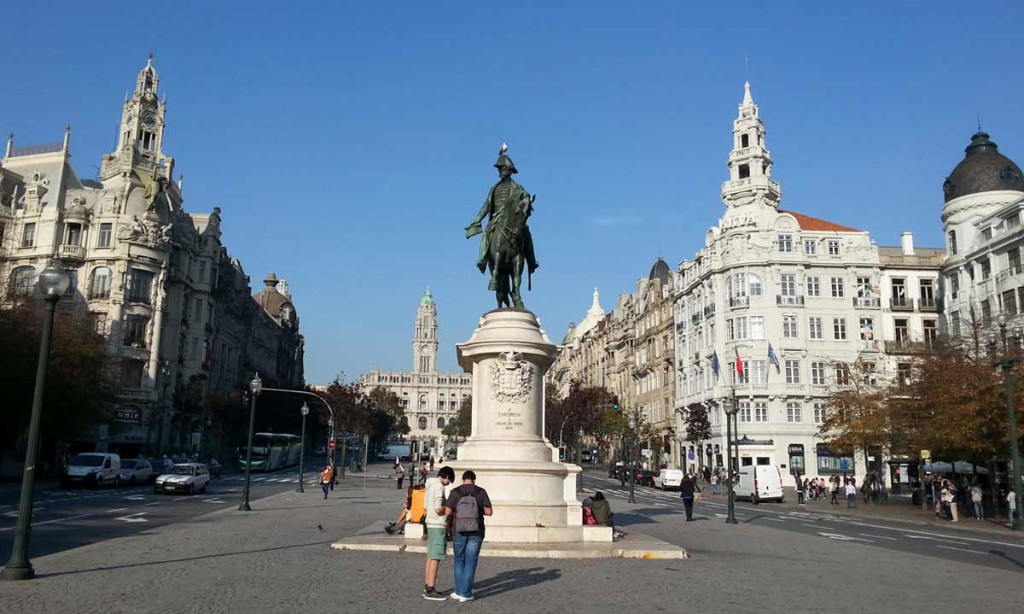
<point>53,283</point>
<point>255,387</point>
<point>165,380</point>
<point>731,408</point>
<point>634,423</point>
<point>1005,362</point>
<point>302,445</point>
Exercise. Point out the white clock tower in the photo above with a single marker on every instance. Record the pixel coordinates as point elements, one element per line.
<point>140,139</point>
<point>424,344</point>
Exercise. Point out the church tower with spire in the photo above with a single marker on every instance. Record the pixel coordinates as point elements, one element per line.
<point>141,134</point>
<point>424,344</point>
<point>750,162</point>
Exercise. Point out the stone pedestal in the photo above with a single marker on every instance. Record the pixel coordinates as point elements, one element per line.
<point>534,495</point>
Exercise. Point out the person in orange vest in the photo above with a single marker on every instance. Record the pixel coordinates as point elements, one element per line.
<point>326,478</point>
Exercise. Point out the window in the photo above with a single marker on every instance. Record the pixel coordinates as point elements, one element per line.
<point>106,234</point>
<point>131,373</point>
<point>786,243</point>
<point>1013,260</point>
<point>760,412</point>
<point>99,323</point>
<point>1013,221</point>
<point>755,284</point>
<point>819,412</point>
<point>140,287</point>
<point>864,288</point>
<point>931,332</point>
<point>867,329</point>
<point>72,283</point>
<point>838,291</point>
<point>744,413</point>
<point>952,241</point>
<point>135,331</point>
<point>792,371</point>
<point>870,376</point>
<point>954,323</point>
<point>421,423</point>
<point>758,371</point>
<point>744,171</point>
<point>926,290</point>
<point>23,279</point>
<point>986,268</point>
<point>28,235</point>
<point>794,412</point>
<point>815,328</point>
<point>839,328</point>
<point>440,405</point>
<point>198,312</point>
<point>986,233</point>
<point>903,373</point>
<point>787,284</point>
<point>745,140</point>
<point>954,284</point>
<point>440,423</point>
<point>813,286</point>
<point>986,313</point>
<point>202,270</point>
<point>194,355</point>
<point>818,373</point>
<point>842,374</point>
<point>810,247</point>
<point>74,235</point>
<point>833,247</point>
<point>757,327</point>
<point>899,292</point>
<point>789,325</point>
<point>902,330</point>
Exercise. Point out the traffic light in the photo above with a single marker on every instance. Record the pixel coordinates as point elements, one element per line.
<point>615,404</point>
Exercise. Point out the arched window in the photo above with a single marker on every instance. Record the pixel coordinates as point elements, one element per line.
<point>23,279</point>
<point>99,282</point>
<point>440,423</point>
<point>755,284</point>
<point>422,423</point>
<point>423,402</point>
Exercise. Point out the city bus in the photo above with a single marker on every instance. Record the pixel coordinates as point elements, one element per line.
<point>272,451</point>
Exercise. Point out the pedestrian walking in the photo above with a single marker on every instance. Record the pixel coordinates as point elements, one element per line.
<point>468,504</point>
<point>979,510</point>
<point>1011,504</point>
<point>714,483</point>
<point>326,478</point>
<point>851,493</point>
<point>400,474</point>
<point>687,490</point>
<point>334,475</point>
<point>835,490</point>
<point>801,489</point>
<point>436,522</point>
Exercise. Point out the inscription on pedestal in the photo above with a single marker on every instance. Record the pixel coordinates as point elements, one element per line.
<point>509,419</point>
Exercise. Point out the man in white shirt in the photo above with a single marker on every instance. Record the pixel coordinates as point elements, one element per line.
<point>851,493</point>
<point>433,502</point>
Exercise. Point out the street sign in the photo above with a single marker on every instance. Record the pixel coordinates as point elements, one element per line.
<point>331,445</point>
<point>691,456</point>
<point>926,455</point>
<point>647,452</point>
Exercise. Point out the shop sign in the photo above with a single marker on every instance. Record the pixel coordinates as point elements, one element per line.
<point>128,415</point>
<point>796,449</point>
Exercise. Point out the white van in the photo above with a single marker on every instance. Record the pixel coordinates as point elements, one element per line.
<point>93,469</point>
<point>759,483</point>
<point>668,478</point>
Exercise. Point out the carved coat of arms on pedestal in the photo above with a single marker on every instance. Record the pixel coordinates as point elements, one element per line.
<point>511,378</point>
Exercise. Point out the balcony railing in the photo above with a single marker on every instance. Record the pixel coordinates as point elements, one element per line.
<point>790,300</point>
<point>867,302</point>
<point>133,393</point>
<point>71,252</point>
<point>739,301</point>
<point>927,304</point>
<point>901,304</point>
<point>907,347</point>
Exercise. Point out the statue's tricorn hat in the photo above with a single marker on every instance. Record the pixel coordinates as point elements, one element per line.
<point>504,160</point>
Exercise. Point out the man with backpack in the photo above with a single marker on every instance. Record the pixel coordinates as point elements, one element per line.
<point>468,504</point>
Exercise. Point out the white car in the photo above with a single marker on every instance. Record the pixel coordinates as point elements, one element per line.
<point>136,471</point>
<point>668,478</point>
<point>188,478</point>
<point>96,469</point>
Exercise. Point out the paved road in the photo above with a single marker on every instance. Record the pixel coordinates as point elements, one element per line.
<point>963,545</point>
<point>64,519</point>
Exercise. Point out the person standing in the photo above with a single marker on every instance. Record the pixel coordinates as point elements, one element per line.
<point>979,511</point>
<point>424,472</point>
<point>851,493</point>
<point>835,490</point>
<point>433,502</point>
<point>687,490</point>
<point>801,490</point>
<point>468,504</point>
<point>326,478</point>
<point>400,474</point>
<point>1011,503</point>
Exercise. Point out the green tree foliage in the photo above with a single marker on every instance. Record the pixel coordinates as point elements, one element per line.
<point>461,426</point>
<point>698,425</point>
<point>80,380</point>
<point>586,409</point>
<point>377,414</point>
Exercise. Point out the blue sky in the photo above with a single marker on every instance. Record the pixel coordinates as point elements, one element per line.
<point>348,144</point>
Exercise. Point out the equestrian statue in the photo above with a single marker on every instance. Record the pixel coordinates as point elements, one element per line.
<point>506,249</point>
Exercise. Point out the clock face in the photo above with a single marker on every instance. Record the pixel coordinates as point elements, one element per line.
<point>149,119</point>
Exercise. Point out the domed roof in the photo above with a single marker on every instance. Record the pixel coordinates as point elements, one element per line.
<point>660,271</point>
<point>983,169</point>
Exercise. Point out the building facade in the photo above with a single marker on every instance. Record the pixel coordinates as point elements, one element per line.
<point>431,399</point>
<point>157,281</point>
<point>798,301</point>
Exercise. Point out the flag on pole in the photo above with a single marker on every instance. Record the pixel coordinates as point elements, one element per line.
<point>714,364</point>
<point>739,365</point>
<point>772,358</point>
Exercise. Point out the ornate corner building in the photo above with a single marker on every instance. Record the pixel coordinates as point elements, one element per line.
<point>431,399</point>
<point>176,309</point>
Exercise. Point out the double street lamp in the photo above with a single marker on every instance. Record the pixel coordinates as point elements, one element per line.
<point>1005,362</point>
<point>302,445</point>
<point>53,283</point>
<point>731,409</point>
<point>255,387</point>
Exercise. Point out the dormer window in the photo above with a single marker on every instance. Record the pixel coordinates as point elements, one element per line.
<point>986,233</point>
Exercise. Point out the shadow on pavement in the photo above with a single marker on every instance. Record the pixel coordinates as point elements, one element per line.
<point>1003,555</point>
<point>183,559</point>
<point>511,580</point>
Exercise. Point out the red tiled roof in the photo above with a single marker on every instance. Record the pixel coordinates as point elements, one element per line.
<point>812,223</point>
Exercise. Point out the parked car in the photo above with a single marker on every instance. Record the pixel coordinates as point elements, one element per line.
<point>214,466</point>
<point>668,478</point>
<point>136,471</point>
<point>645,477</point>
<point>93,469</point>
<point>760,483</point>
<point>188,478</point>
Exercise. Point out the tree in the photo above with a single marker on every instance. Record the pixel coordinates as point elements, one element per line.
<point>462,424</point>
<point>80,380</point>
<point>583,409</point>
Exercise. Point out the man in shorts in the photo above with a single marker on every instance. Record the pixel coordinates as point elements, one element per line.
<point>436,521</point>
